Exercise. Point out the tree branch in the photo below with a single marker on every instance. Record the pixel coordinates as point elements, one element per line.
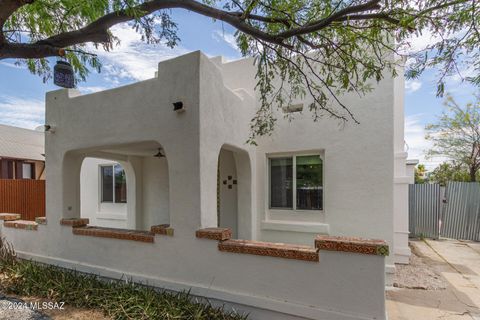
<point>97,31</point>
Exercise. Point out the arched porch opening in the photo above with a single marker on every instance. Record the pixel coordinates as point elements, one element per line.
<point>122,186</point>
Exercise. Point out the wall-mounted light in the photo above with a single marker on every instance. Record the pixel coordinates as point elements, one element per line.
<point>49,128</point>
<point>159,154</point>
<point>178,106</point>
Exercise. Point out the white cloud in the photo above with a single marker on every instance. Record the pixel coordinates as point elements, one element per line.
<point>416,142</point>
<point>91,89</point>
<point>133,59</point>
<point>417,43</point>
<point>229,38</point>
<point>412,85</point>
<point>20,112</point>
<point>13,65</point>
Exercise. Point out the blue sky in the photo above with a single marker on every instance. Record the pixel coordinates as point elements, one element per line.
<point>22,94</point>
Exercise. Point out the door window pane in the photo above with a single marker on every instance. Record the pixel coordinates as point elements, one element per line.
<point>107,183</point>
<point>27,171</point>
<point>309,182</point>
<point>120,185</point>
<point>281,183</point>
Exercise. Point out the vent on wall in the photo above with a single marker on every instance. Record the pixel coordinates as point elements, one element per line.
<point>178,106</point>
<point>293,108</point>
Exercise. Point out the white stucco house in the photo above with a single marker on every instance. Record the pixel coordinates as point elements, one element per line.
<point>177,198</point>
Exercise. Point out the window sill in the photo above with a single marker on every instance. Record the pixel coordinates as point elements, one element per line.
<point>303,216</point>
<point>294,211</point>
<point>295,226</point>
<point>110,216</point>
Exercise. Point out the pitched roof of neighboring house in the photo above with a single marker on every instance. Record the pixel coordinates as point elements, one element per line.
<point>21,143</point>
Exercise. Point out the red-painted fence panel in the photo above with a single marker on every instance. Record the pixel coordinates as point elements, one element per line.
<point>26,197</point>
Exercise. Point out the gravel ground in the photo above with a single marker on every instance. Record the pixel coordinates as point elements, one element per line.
<point>417,275</point>
<point>12,308</point>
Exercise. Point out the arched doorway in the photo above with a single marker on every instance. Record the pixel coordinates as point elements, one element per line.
<point>234,192</point>
<point>227,191</point>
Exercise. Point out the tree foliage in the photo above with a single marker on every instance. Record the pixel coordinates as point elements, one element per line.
<point>420,173</point>
<point>450,171</point>
<point>456,135</point>
<point>322,48</point>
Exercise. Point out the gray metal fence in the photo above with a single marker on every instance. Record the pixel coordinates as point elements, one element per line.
<point>451,213</point>
<point>461,214</point>
<point>424,210</point>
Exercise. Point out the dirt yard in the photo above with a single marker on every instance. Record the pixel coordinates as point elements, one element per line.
<point>442,282</point>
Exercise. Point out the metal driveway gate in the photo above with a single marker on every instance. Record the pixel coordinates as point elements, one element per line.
<point>425,203</point>
<point>461,214</point>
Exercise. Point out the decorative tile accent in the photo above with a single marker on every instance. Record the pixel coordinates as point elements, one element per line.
<point>214,233</point>
<point>74,222</point>
<point>352,244</point>
<point>9,216</point>
<point>41,220</point>
<point>162,229</point>
<point>121,234</point>
<point>278,250</point>
<point>21,224</point>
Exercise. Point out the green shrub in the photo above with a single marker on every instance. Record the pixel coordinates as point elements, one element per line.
<point>118,299</point>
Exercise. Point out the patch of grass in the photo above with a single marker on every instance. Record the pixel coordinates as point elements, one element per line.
<point>118,299</point>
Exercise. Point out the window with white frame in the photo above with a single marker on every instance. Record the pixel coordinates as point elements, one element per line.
<point>296,182</point>
<point>113,184</point>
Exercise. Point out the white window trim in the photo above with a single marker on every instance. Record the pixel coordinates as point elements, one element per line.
<point>100,189</point>
<point>279,212</point>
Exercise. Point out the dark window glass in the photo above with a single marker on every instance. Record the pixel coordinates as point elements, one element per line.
<point>309,183</point>
<point>120,185</point>
<point>107,183</point>
<point>10,169</point>
<point>281,186</point>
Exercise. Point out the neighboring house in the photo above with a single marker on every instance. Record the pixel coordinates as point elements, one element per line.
<point>411,164</point>
<point>21,153</point>
<point>297,203</point>
<point>22,156</point>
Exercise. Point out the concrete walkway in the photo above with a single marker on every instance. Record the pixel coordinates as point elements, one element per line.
<point>458,262</point>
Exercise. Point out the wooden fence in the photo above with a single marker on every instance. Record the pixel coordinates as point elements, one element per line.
<point>26,197</point>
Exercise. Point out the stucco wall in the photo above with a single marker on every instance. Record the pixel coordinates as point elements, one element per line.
<point>358,194</point>
<point>155,207</point>
<point>358,164</point>
<point>401,249</point>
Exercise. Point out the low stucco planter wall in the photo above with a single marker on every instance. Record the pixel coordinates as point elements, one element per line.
<point>338,285</point>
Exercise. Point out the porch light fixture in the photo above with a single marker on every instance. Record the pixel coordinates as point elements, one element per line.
<point>48,128</point>
<point>63,75</point>
<point>178,106</point>
<point>160,153</point>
